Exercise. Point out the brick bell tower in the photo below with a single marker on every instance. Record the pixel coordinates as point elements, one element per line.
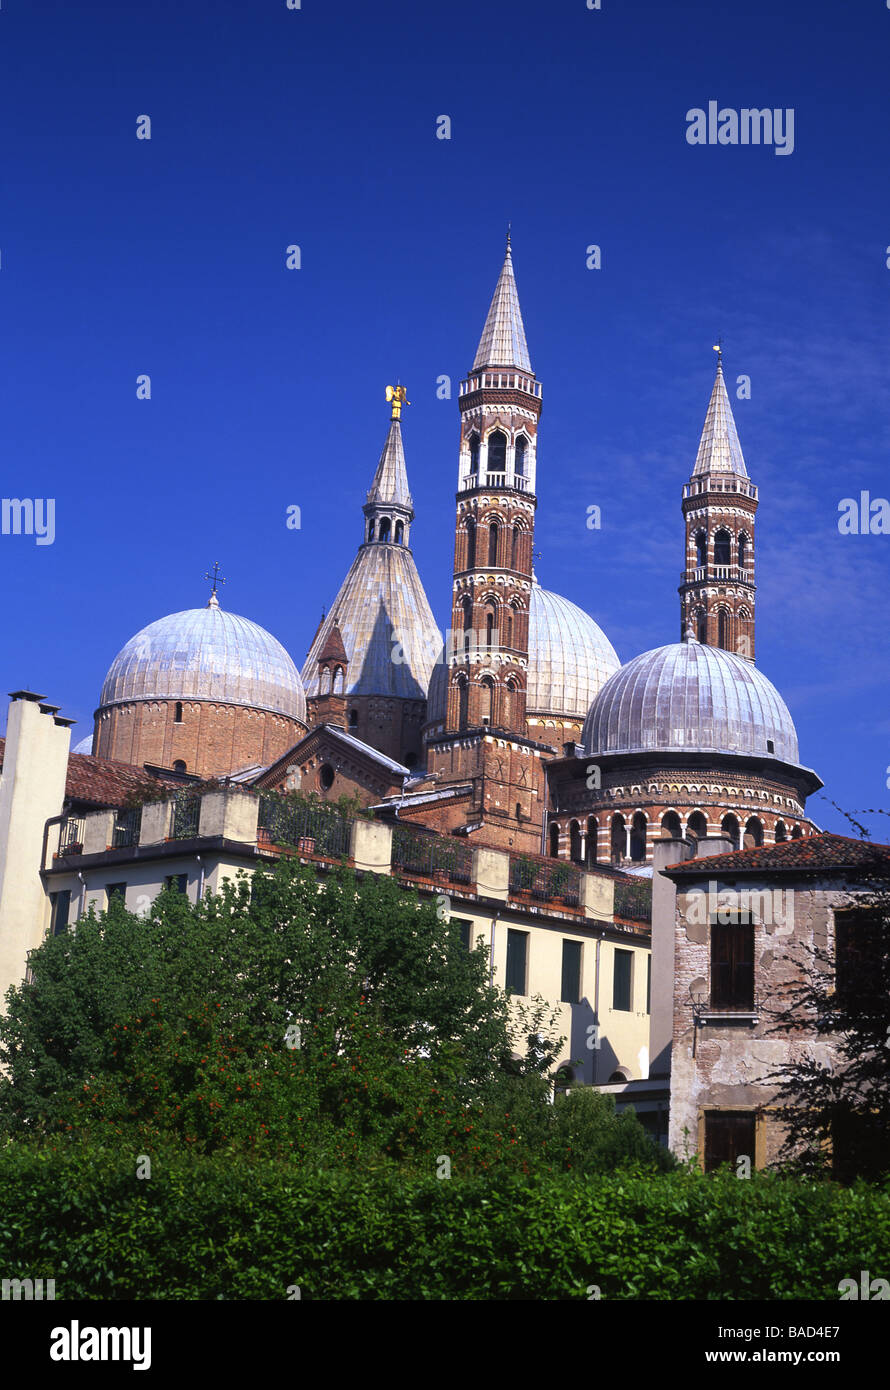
<point>485,735</point>
<point>719,503</point>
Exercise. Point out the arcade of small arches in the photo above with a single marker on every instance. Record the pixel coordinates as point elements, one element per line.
<point>731,627</point>
<point>496,704</point>
<point>498,453</point>
<point>385,531</point>
<point>331,679</point>
<point>500,622</point>
<point>486,540</point>
<point>622,838</point>
<point>727,550</point>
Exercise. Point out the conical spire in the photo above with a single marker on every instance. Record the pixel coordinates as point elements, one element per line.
<point>720,450</point>
<point>390,485</point>
<point>503,338</point>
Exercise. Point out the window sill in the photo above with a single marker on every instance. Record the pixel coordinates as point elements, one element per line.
<point>732,1017</point>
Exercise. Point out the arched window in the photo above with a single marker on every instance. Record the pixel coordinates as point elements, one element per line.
<point>592,839</point>
<point>326,681</point>
<point>519,456</point>
<point>743,550</point>
<point>474,453</point>
<point>353,718</point>
<point>371,529</point>
<point>554,840</point>
<point>177,714</point>
<point>796,833</point>
<point>326,776</point>
<point>497,452</point>
<point>514,548</point>
<point>781,832</point>
<point>507,704</point>
<point>508,628</point>
<point>638,838</point>
<point>753,834</point>
<point>701,626</point>
<point>493,543</point>
<point>383,532</point>
<point>486,702</point>
<point>671,828</point>
<point>463,699</point>
<point>722,548</point>
<point>723,629</point>
<point>618,840</point>
<point>467,607</point>
<point>730,827</point>
<point>338,680</point>
<point>701,549</point>
<point>697,826</point>
<point>179,765</point>
<point>400,531</point>
<point>471,545</point>
<point>489,629</point>
<point>575,842</point>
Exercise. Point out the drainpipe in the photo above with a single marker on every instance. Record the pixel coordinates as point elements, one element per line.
<point>83,894</point>
<point>494,922</point>
<point>596,1001</point>
<point>200,877</point>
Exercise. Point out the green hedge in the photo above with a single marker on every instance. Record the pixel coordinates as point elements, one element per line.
<point>221,1228</point>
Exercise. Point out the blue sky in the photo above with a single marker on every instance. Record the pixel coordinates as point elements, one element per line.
<point>318,127</point>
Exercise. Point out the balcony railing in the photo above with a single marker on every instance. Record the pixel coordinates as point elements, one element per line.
<point>431,856</point>
<point>313,829</point>
<point>548,881</point>
<point>703,572</point>
<point>634,900</point>
<point>127,825</point>
<point>71,836</point>
<point>186,814</point>
<point>493,480</point>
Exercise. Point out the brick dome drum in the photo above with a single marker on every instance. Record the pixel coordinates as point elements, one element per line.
<point>206,654</point>
<point>688,697</point>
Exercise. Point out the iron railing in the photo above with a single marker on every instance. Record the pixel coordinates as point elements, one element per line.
<point>431,856</point>
<point>634,900</point>
<point>127,825</point>
<point>186,814</point>
<point>545,880</point>
<point>314,829</point>
<point>71,835</point>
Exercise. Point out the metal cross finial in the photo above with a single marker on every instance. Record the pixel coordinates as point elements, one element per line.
<point>215,576</point>
<point>718,348</point>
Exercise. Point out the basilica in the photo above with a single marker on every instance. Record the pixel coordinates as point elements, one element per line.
<point>517,727</point>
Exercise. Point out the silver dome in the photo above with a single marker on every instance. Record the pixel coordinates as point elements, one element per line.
<point>206,654</point>
<point>569,659</point>
<point>687,697</point>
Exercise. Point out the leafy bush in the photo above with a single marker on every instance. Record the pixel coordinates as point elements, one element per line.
<point>227,1227</point>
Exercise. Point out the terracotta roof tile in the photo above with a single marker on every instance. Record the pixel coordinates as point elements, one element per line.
<point>811,853</point>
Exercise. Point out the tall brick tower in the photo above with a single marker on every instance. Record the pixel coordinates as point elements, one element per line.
<point>485,734</point>
<point>719,503</point>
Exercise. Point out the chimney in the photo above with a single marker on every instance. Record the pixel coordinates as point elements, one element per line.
<point>32,791</point>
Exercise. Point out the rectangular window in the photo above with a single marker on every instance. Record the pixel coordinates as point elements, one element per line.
<point>465,926</point>
<point>179,881</point>
<point>622,981</point>
<point>517,959</point>
<point>570,992</point>
<point>732,966</point>
<point>729,1135</point>
<point>115,890</point>
<point>60,906</point>
<point>857,951</point>
<point>649,984</point>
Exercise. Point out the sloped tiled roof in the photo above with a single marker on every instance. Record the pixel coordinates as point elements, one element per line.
<point>503,341</point>
<point>102,782</point>
<point>809,854</point>
<point>719,450</point>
